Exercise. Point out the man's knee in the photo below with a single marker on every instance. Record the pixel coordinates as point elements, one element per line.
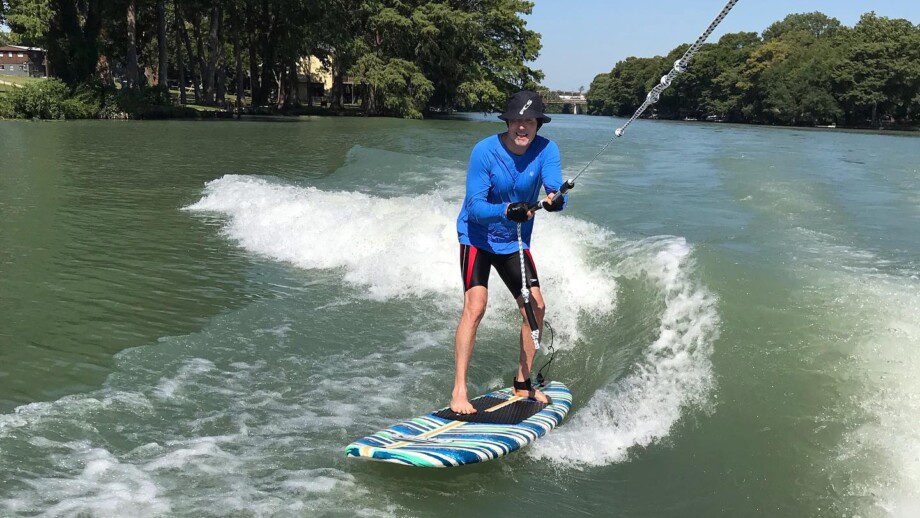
<point>474,309</point>
<point>539,308</point>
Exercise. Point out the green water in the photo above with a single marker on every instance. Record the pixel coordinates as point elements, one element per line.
<point>195,318</point>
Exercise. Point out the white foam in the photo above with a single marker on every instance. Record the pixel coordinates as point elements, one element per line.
<point>190,452</point>
<point>167,387</point>
<point>378,243</point>
<point>198,455</point>
<point>674,375</point>
<point>403,246</point>
<point>321,480</point>
<point>230,420</point>
<point>876,312</point>
<point>104,487</point>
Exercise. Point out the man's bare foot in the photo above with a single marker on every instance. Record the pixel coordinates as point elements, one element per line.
<point>460,404</point>
<point>534,393</point>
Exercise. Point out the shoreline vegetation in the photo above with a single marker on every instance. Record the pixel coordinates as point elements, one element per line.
<point>807,70</point>
<point>178,58</point>
<point>156,59</point>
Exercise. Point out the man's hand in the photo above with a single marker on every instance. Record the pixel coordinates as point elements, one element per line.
<point>553,203</point>
<point>519,211</point>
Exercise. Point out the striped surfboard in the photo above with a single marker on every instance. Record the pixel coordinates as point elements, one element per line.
<point>435,441</point>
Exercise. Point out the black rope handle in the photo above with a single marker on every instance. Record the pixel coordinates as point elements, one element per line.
<point>552,353</point>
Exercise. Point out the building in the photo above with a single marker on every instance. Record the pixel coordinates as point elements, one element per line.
<point>21,61</point>
<point>314,82</point>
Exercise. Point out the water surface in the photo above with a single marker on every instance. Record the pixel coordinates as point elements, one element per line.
<point>195,318</point>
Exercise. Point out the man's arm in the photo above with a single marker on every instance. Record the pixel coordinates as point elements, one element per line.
<point>477,190</point>
<point>551,172</point>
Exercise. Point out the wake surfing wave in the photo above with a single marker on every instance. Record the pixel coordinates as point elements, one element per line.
<point>404,246</point>
<point>218,408</point>
<point>674,374</point>
<point>874,307</point>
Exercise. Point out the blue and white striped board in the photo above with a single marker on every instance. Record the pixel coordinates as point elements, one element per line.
<point>435,442</point>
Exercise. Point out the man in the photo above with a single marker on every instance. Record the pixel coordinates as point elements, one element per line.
<point>503,180</point>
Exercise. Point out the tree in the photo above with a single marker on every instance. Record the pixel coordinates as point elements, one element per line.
<point>880,71</point>
<point>396,86</point>
<point>816,24</point>
<point>162,44</point>
<point>131,67</point>
<point>480,95</point>
<point>73,38</point>
<point>414,56</point>
<point>807,69</point>
<point>28,20</point>
<point>799,90</point>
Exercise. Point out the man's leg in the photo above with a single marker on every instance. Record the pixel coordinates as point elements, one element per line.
<point>474,307</point>
<point>525,362</point>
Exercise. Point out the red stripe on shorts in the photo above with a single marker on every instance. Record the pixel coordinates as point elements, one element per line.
<point>470,261</point>
<point>533,265</point>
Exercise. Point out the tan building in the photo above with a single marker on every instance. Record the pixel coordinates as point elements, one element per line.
<point>314,82</point>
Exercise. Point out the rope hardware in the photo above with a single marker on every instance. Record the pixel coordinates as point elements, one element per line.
<point>525,285</point>
<point>525,293</point>
<point>680,66</point>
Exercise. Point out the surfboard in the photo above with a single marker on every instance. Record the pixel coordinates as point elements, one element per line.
<point>503,423</point>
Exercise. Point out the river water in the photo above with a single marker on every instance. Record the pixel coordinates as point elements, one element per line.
<point>196,317</point>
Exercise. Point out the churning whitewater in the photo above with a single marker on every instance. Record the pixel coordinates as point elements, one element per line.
<point>379,243</point>
<point>675,372</point>
<point>249,414</point>
<point>311,228</point>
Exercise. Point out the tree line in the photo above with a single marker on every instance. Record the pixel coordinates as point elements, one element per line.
<point>410,57</point>
<point>806,69</point>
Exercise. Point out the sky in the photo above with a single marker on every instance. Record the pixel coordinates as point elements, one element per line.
<point>583,38</point>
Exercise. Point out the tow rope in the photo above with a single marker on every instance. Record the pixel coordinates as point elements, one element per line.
<point>525,284</point>
<point>680,66</point>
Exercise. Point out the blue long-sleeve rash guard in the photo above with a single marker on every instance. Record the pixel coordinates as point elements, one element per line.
<point>497,177</point>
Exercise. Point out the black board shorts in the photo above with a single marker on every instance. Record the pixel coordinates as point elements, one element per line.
<point>475,265</point>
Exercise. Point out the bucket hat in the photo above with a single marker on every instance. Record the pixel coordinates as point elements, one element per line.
<point>525,104</point>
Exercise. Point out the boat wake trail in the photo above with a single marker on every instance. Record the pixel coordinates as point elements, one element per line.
<point>378,242</point>
<point>674,374</point>
<point>200,423</point>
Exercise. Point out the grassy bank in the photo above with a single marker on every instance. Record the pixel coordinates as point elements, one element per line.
<point>40,98</point>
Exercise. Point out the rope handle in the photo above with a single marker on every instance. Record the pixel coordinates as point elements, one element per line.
<point>566,185</point>
<point>525,294</point>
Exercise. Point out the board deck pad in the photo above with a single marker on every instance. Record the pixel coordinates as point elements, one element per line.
<point>431,440</point>
<point>495,410</point>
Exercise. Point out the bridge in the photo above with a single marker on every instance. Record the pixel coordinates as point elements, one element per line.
<point>568,103</point>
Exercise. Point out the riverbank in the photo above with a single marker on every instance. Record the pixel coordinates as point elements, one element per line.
<point>34,98</point>
<point>893,128</point>
<point>49,98</point>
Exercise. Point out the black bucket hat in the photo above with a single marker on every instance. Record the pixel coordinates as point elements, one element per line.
<point>525,104</point>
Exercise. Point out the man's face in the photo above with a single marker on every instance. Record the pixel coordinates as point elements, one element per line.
<point>522,131</point>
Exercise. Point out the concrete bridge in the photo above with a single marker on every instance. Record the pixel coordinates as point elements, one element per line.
<point>575,104</point>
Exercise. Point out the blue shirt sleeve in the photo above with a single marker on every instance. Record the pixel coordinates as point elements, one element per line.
<point>477,190</point>
<point>551,172</point>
